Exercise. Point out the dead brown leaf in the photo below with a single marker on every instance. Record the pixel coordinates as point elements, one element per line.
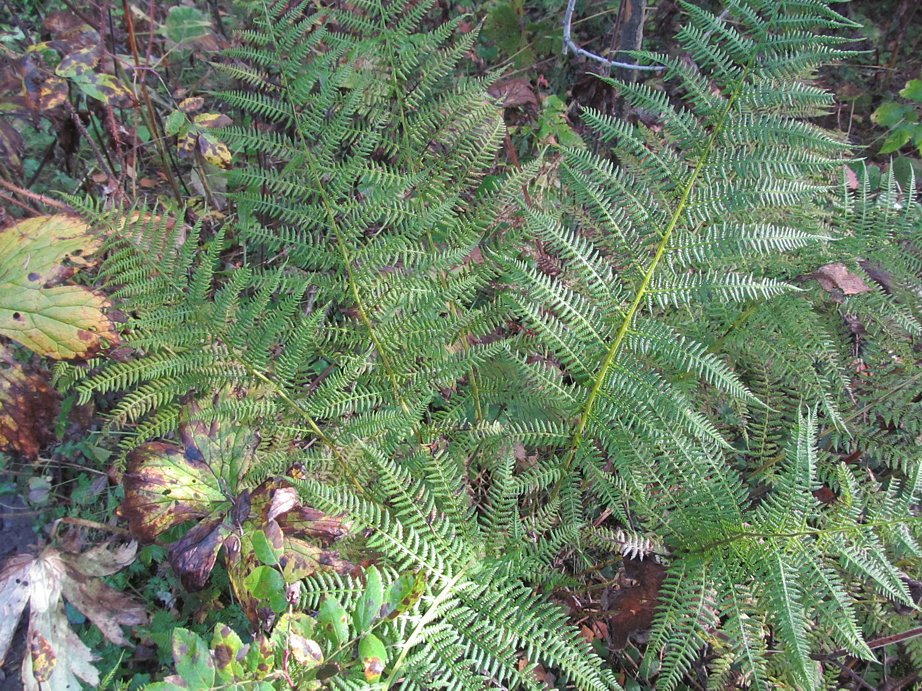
<point>58,659</point>
<point>28,407</point>
<point>837,278</point>
<point>632,607</point>
<point>515,93</point>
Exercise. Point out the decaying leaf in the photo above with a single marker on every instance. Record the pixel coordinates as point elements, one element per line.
<point>202,480</point>
<point>28,407</point>
<point>633,605</point>
<point>214,150</point>
<point>191,104</point>
<point>57,658</point>
<point>58,321</point>
<point>79,63</point>
<point>836,278</point>
<point>11,148</point>
<point>515,93</point>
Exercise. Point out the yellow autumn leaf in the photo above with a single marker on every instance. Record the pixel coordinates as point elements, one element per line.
<point>58,321</point>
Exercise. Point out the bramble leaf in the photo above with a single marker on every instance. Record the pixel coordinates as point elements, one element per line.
<point>368,606</point>
<point>333,620</point>
<point>912,90</point>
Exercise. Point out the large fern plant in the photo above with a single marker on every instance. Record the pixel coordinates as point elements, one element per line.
<point>496,386</point>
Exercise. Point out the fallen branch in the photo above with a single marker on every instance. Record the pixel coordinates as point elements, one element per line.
<point>569,44</point>
<point>41,198</point>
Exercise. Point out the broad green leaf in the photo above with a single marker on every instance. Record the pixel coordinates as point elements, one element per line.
<point>263,547</point>
<point>890,114</point>
<point>186,24</point>
<point>368,607</point>
<point>193,659</point>
<point>912,90</point>
<point>896,139</point>
<point>373,655</point>
<point>265,583</point>
<point>175,123</point>
<point>333,620</point>
<point>53,320</point>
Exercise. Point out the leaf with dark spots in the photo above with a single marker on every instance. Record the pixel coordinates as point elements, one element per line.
<point>193,659</point>
<point>58,321</point>
<point>214,150</point>
<point>69,32</point>
<point>403,594</point>
<point>105,88</point>
<point>164,488</point>
<point>79,63</point>
<point>43,657</point>
<point>227,651</point>
<point>41,90</point>
<point>307,522</point>
<point>169,484</point>
<point>11,147</point>
<point>191,104</point>
<point>14,596</point>
<point>108,608</point>
<point>212,120</point>
<point>28,407</point>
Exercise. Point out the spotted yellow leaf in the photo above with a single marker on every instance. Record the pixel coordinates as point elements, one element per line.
<point>58,321</point>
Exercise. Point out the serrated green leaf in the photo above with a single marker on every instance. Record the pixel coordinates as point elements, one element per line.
<point>264,581</point>
<point>186,24</point>
<point>263,548</point>
<point>175,123</point>
<point>896,139</point>
<point>890,114</point>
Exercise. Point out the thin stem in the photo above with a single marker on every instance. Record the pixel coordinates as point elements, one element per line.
<point>424,621</point>
<point>312,425</point>
<point>634,309</point>
<point>40,198</point>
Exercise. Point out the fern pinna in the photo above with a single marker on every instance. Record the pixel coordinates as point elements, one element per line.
<point>496,385</point>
